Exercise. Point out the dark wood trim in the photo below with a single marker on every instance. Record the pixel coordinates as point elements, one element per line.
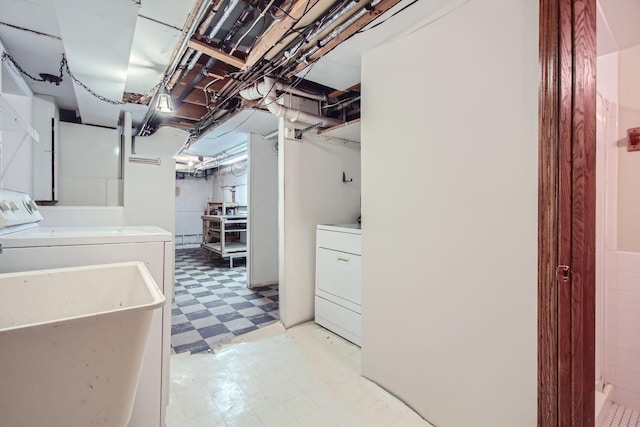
<point>565,123</point>
<point>548,214</point>
<point>583,212</point>
<point>566,309</point>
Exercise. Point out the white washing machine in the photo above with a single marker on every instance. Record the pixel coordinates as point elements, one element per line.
<point>26,246</point>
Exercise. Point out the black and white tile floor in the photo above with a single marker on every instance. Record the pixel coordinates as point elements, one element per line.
<point>213,304</point>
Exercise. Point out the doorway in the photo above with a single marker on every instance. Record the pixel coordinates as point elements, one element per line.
<point>226,268</point>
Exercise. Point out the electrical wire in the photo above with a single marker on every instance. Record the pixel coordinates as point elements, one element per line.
<point>377,24</point>
<point>284,12</point>
<point>344,101</point>
<point>255,109</point>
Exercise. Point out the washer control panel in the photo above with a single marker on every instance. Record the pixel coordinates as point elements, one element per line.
<point>17,209</point>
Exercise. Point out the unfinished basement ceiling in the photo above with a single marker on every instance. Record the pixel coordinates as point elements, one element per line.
<point>234,44</point>
<point>122,50</point>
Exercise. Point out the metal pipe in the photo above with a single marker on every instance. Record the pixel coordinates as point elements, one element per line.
<point>227,11</point>
<point>183,47</point>
<point>264,11</point>
<point>197,79</point>
<point>334,17</point>
<point>212,61</point>
<point>185,57</point>
<point>177,75</point>
<point>194,60</point>
<point>337,31</point>
<point>206,22</point>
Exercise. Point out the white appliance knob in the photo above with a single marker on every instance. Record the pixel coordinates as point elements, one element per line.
<point>27,206</point>
<point>33,205</point>
<point>4,205</point>
<point>14,206</point>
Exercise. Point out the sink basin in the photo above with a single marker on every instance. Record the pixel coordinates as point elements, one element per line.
<point>72,342</point>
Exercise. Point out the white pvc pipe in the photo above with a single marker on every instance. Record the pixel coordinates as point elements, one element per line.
<point>289,113</point>
<point>259,90</point>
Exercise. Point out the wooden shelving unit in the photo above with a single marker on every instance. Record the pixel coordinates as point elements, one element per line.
<point>224,230</point>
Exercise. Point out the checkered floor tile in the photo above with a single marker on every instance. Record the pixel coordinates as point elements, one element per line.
<point>213,304</point>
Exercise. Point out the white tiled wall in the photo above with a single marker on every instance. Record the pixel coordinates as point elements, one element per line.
<point>623,326</point>
<point>621,299</point>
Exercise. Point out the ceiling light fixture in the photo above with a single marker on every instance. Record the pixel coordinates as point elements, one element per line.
<point>164,104</point>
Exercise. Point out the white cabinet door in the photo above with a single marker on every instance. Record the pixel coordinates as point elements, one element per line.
<point>339,274</point>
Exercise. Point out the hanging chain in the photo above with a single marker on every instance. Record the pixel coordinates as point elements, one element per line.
<point>7,57</point>
<point>64,67</point>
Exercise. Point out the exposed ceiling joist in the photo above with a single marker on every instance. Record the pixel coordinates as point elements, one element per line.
<point>359,24</point>
<point>275,34</point>
<point>189,111</point>
<point>216,53</point>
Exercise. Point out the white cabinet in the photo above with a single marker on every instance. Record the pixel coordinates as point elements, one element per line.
<point>339,280</point>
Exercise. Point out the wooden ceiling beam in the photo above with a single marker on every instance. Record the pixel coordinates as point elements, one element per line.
<point>216,53</point>
<point>189,111</point>
<point>379,9</point>
<point>273,35</point>
<point>354,88</point>
<point>196,97</point>
<point>177,123</point>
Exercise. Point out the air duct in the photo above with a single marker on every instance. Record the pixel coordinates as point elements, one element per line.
<point>267,91</point>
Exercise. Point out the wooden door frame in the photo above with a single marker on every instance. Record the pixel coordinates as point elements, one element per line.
<point>566,215</point>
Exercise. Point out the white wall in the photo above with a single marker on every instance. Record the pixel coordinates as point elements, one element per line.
<point>16,146</point>
<point>89,166</point>
<point>149,190</point>
<point>623,327</point>
<point>192,195</point>
<point>230,175</point>
<point>311,192</point>
<point>449,209</point>
<point>263,212</point>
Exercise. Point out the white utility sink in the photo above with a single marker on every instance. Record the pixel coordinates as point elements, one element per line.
<point>72,342</point>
